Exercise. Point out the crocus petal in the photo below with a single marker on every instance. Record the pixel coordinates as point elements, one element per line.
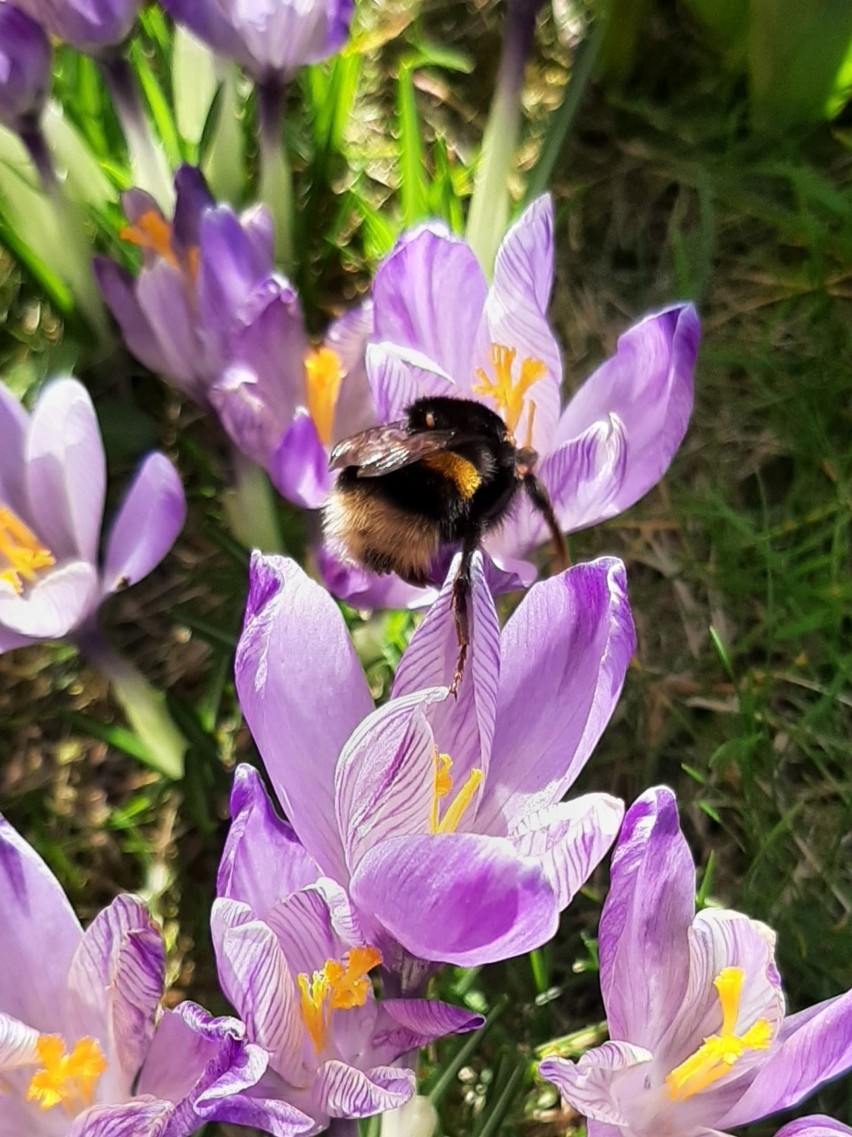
<point>299,465</point>
<point>256,979</point>
<point>193,200</point>
<point>116,981</point>
<point>238,401</point>
<point>302,691</point>
<point>231,267</point>
<point>118,289</point>
<point>195,1056</point>
<point>464,726</point>
<point>456,898</point>
<point>385,778</point>
<point>345,1091</point>
<point>55,605</point>
<point>516,313</point>
<point>347,337</point>
<point>161,292</point>
<point>259,1110</point>
<point>147,524</point>
<point>397,377</point>
<point>569,840</point>
<point>817,1125</point>
<point>14,421</point>
<point>429,295</point>
<point>570,641</point>
<point>821,1049</point>
<point>142,1115</point>
<point>365,590</point>
<point>407,1024</point>
<point>17,1044</point>
<point>263,860</point>
<point>66,471</point>
<point>647,915</point>
<point>648,385</point>
<point>35,910</point>
<point>587,1085</point>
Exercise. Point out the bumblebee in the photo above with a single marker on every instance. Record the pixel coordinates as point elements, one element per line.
<point>446,474</point>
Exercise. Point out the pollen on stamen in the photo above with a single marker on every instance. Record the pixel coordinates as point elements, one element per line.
<point>68,1080</point>
<point>153,233</point>
<point>323,376</point>
<point>24,555</point>
<point>443,788</point>
<point>508,394</point>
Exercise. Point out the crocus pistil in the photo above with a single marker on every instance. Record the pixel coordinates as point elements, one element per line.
<point>323,375</point>
<point>507,392</point>
<point>22,555</point>
<point>153,233</point>
<point>720,1052</point>
<point>339,985</point>
<point>66,1079</point>
<point>449,823</point>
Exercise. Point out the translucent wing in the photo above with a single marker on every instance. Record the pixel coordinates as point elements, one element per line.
<point>383,449</point>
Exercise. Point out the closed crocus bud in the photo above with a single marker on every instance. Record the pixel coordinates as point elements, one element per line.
<point>24,68</point>
<point>88,25</point>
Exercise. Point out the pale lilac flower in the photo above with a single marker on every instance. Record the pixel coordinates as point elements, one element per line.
<point>700,1039</point>
<point>440,328</point>
<point>209,312</point>
<point>52,487</point>
<point>443,818</point>
<point>295,964</point>
<point>88,25</point>
<point>85,1049</point>
<point>272,39</point>
<point>25,58</point>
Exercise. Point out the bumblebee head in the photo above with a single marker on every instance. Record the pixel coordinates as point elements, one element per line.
<point>466,418</point>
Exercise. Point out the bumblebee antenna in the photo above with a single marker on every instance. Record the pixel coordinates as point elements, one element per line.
<point>540,499</point>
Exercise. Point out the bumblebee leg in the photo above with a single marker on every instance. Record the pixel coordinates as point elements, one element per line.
<point>461,611</point>
<point>540,498</point>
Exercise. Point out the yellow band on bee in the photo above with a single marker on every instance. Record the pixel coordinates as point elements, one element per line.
<point>463,474</point>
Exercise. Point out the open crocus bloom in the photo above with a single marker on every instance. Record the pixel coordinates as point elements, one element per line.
<point>85,1050</point>
<point>441,329</point>
<point>443,818</point>
<point>88,25</point>
<point>699,1038</point>
<point>272,41</point>
<point>296,965</point>
<point>209,312</point>
<point>52,487</point>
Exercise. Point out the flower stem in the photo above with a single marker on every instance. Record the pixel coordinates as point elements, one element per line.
<point>144,706</point>
<point>250,506</point>
<point>276,182</point>
<point>488,216</point>
<point>148,164</point>
<point>72,250</point>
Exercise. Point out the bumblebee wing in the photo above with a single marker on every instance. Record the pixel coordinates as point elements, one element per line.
<point>383,449</point>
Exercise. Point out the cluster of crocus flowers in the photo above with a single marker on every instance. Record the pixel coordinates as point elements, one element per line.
<point>86,1048</point>
<point>699,1038</point>
<point>441,329</point>
<point>209,312</point>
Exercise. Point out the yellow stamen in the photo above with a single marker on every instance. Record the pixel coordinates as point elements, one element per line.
<point>66,1079</point>
<point>443,788</point>
<point>506,393</point>
<point>718,1053</point>
<point>22,556</point>
<point>338,986</point>
<point>323,376</point>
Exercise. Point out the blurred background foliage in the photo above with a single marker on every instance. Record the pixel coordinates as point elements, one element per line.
<point>695,149</point>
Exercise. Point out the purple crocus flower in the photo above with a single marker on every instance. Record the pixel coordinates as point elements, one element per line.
<point>442,329</point>
<point>209,312</point>
<point>25,58</point>
<point>272,39</point>
<point>52,488</point>
<point>295,963</point>
<point>443,818</point>
<point>85,1050</point>
<point>88,25</point>
<point>700,1042</point>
